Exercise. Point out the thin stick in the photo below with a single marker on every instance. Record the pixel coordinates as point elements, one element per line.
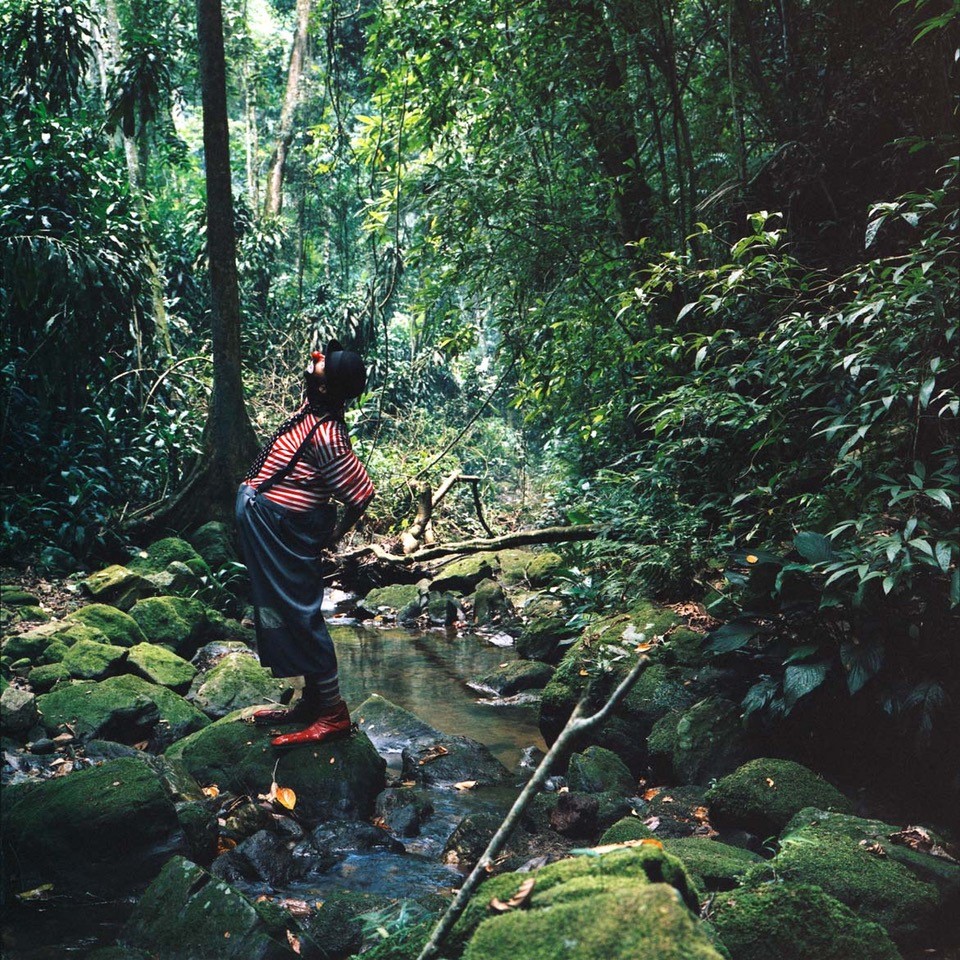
<point>576,725</point>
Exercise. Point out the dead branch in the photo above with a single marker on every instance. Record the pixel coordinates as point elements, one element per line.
<point>576,725</point>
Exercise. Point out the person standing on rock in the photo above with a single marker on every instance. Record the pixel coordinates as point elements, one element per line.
<point>286,520</point>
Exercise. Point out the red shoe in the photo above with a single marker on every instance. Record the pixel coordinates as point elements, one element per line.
<point>334,723</point>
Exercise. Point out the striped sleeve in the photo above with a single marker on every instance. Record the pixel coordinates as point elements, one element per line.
<point>342,471</point>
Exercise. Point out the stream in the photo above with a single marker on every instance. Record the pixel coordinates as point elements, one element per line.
<point>424,672</point>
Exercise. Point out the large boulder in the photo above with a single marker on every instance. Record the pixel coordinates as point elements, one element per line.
<point>912,895</point>
<point>391,728</point>
<point>237,681</point>
<point>18,710</point>
<point>162,666</point>
<point>186,912</point>
<point>463,575</point>
<point>56,637</point>
<point>598,770</point>
<point>528,567</point>
<point>117,586</point>
<point>544,638</point>
<point>712,864</point>
<point>764,794</point>
<point>514,677</point>
<point>104,828</point>
<point>118,627</point>
<point>127,709</point>
<point>490,603</point>
<point>89,660</point>
<point>181,623</point>
<point>401,601</point>
<point>340,778</point>
<point>214,542</point>
<point>158,557</point>
<point>795,922</point>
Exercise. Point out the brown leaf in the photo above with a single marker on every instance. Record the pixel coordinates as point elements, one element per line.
<point>701,813</point>
<point>919,838</point>
<point>873,847</point>
<point>669,800</point>
<point>298,908</point>
<point>294,942</point>
<point>465,785</point>
<point>433,753</point>
<point>212,791</point>
<point>651,793</point>
<point>519,899</point>
<point>224,844</point>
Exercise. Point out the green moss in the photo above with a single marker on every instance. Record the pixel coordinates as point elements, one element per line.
<point>714,865</point>
<point>710,741</point>
<point>238,681</point>
<point>88,660</point>
<point>119,627</point>
<point>13,596</point>
<point>595,919</point>
<point>214,542</point>
<point>159,665</point>
<point>118,586</point>
<point>54,653</point>
<point>29,614</point>
<point>762,795</point>
<point>795,922</point>
<point>47,676</point>
<point>542,639</point>
<point>161,553</point>
<point>684,647</point>
<point>32,644</point>
<point>543,568</point>
<point>490,603</point>
<point>626,829</point>
<point>464,574</point>
<point>180,623</point>
<point>598,770</point>
<point>517,675</point>
<point>401,598</point>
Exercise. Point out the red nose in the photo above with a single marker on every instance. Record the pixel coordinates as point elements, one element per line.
<point>317,355</point>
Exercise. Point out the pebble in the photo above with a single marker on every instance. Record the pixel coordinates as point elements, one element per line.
<point>42,746</point>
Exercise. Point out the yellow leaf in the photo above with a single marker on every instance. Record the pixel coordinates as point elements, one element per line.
<point>584,673</point>
<point>644,647</point>
<point>286,797</point>
<point>212,791</point>
<point>651,842</point>
<point>651,793</point>
<point>770,782</point>
<point>752,558</point>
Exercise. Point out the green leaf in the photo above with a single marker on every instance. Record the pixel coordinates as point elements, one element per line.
<point>802,652</point>
<point>940,496</point>
<point>803,678</point>
<point>926,391</point>
<point>731,636</point>
<point>814,547</point>
<point>861,661</point>
<point>943,555</point>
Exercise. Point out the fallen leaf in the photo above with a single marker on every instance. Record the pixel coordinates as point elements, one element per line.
<point>651,793</point>
<point>651,842</point>
<point>142,745</point>
<point>37,893</point>
<point>298,908</point>
<point>669,800</point>
<point>465,785</point>
<point>584,673</point>
<point>286,797</point>
<point>643,647</point>
<point>519,899</point>
<point>433,753</point>
<point>333,759</point>
<point>920,839</point>
<point>873,847</point>
<point>294,942</point>
<point>652,823</point>
<point>408,783</point>
<point>212,791</point>
<point>224,844</point>
<point>751,558</point>
<point>701,813</point>
<point>271,795</point>
<point>226,935</point>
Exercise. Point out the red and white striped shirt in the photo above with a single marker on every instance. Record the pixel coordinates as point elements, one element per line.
<point>328,468</point>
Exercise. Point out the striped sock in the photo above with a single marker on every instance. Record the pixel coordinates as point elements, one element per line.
<point>322,693</point>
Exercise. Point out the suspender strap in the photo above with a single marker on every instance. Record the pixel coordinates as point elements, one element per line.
<point>285,471</point>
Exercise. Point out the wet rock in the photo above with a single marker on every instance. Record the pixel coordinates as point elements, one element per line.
<point>42,746</point>
<point>544,639</point>
<point>403,810</point>
<point>575,815</point>
<point>675,811</point>
<point>572,922</point>
<point>516,676</point>
<point>266,857</point>
<point>391,728</point>
<point>463,575</point>
<point>183,624</point>
<point>794,922</point>
<point>448,760</point>
<point>88,660</point>
<point>118,627</point>
<point>245,819</point>
<point>337,838</point>
<point>472,836</point>
<point>400,600</point>
<point>117,586</point>
<point>127,709</point>
<point>186,912</point>
<point>763,795</point>
<point>214,542</point>
<point>443,609</point>
<point>340,778</point>
<point>18,710</point>
<point>713,865</point>
<point>338,927</point>
<point>160,665</point>
<point>703,743</point>
<point>104,828</point>
<point>530,757</point>
<point>598,770</point>
<point>238,681</point>
<point>490,603</point>
<point>625,830</point>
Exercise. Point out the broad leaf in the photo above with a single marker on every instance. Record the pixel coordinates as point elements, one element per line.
<point>814,547</point>
<point>803,678</point>
<point>732,636</point>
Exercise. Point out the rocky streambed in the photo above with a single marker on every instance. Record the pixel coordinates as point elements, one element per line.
<point>145,816</point>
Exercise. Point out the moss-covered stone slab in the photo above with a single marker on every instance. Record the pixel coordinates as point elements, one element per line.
<point>33,644</point>
<point>860,874</point>
<point>89,660</point>
<point>118,627</point>
<point>515,677</point>
<point>127,709</point>
<point>186,912</point>
<point>161,553</point>
<point>47,676</point>
<point>102,829</point>
<point>463,575</point>
<point>391,728</point>
<point>400,600</point>
<point>214,542</point>
<point>712,864</point>
<point>579,879</point>
<point>490,603</point>
<point>528,567</point>
<point>764,794</point>
<point>181,623</point>
<point>12,595</point>
<point>598,770</point>
<point>795,922</point>
<point>235,682</point>
<point>117,586</point>
<point>162,666</point>
<point>341,778</point>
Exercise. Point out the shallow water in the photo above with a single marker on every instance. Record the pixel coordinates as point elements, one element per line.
<point>424,672</point>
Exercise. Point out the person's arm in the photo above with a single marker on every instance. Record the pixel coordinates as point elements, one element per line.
<point>351,514</point>
<point>348,481</point>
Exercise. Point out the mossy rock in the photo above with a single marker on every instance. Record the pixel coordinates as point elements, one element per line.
<point>792,921</point>
<point>33,644</point>
<point>238,681</point>
<point>515,677</point>
<point>875,886</point>
<point>641,866</point>
<point>25,614</point>
<point>118,586</point>
<point>443,608</point>
<point>118,627</point>
<point>490,603</point>
<point>181,580</point>
<point>186,912</point>
<point>401,600</point>
<point>127,709</point>
<point>101,829</point>
<point>338,778</point>
<point>18,710</point>
<point>528,567</point>
<point>684,647</point>
<point>89,660</point>
<point>181,623</point>
<point>12,595</point>
<point>391,728</point>
<point>712,864</point>
<point>161,553</point>
<point>160,665</point>
<point>47,676</point>
<point>625,830</point>
<point>763,795</point>
<point>464,575</point>
<point>214,542</point>
<point>543,639</point>
<point>598,770</point>
<point>543,568</point>
<point>337,928</point>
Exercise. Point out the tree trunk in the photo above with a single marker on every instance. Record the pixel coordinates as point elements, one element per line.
<point>229,442</point>
<point>273,199</point>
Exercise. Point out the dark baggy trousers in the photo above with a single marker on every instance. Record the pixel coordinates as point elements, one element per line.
<point>281,550</point>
